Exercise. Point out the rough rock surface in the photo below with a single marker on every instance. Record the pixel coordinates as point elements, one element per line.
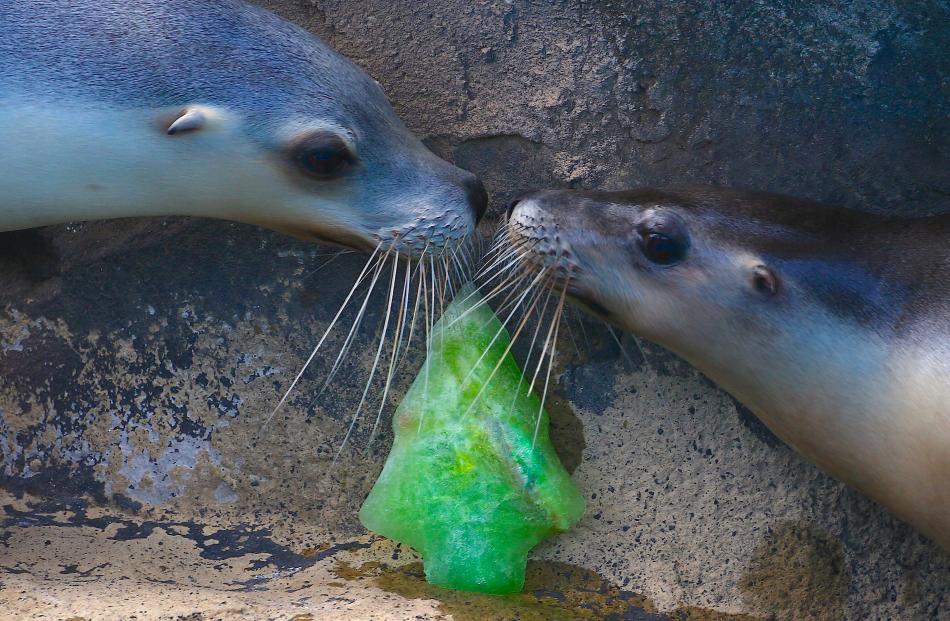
<point>139,358</point>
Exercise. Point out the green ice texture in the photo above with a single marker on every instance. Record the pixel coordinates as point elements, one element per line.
<point>472,482</point>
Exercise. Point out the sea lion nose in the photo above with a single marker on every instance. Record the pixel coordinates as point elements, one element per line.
<point>477,196</point>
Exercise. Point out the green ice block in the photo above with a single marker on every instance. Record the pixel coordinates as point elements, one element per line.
<point>470,483</point>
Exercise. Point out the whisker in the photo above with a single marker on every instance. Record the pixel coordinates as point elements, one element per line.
<point>547,341</point>
<point>499,253</point>
<point>501,329</point>
<point>359,279</point>
<point>625,353</point>
<point>557,325</point>
<point>397,334</point>
<point>415,308</point>
<point>512,260</point>
<point>511,281</point>
<point>403,310</point>
<point>428,345</point>
<point>449,288</point>
<point>509,259</point>
<point>471,253</point>
<point>493,261</point>
<point>501,288</point>
<point>580,322</point>
<point>509,298</point>
<point>379,350</point>
<point>434,282</point>
<point>466,251</point>
<point>459,268</point>
<point>438,287</point>
<point>570,333</point>
<point>348,342</point>
<point>511,343</point>
<point>537,329</point>
<point>333,257</point>
<point>515,279</point>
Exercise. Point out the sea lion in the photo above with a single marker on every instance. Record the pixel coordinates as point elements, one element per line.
<point>832,325</point>
<point>210,108</point>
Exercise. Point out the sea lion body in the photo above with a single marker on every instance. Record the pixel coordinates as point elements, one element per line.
<point>832,325</point>
<point>199,107</point>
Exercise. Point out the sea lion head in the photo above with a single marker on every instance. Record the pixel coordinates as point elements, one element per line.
<point>350,171</point>
<point>216,109</point>
<point>830,324</point>
<point>713,274</point>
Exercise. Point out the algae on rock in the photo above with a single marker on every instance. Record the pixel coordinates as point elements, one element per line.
<point>472,482</point>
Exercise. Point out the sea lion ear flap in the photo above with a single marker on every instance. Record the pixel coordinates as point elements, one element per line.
<point>189,120</point>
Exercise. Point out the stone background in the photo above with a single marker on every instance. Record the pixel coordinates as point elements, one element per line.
<point>139,358</point>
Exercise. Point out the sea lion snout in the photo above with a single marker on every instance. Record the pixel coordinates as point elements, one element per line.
<point>549,227</point>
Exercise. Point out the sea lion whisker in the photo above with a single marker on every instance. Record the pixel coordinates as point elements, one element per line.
<point>510,279</point>
<point>404,310</point>
<point>449,285</point>
<point>496,258</point>
<point>580,322</point>
<point>460,270</point>
<point>493,261</point>
<point>519,251</point>
<point>519,278</point>
<point>333,257</point>
<point>415,309</point>
<point>479,287</point>
<point>501,329</point>
<point>348,341</point>
<point>467,250</point>
<point>496,237</point>
<point>625,353</point>
<point>508,286</point>
<point>435,285</point>
<point>397,341</point>
<point>359,279</point>
<point>539,317</point>
<point>498,248</point>
<point>489,257</point>
<point>379,351</point>
<point>427,316</point>
<point>501,269</point>
<point>544,349</point>
<point>570,333</point>
<point>536,296</point>
<point>501,288</point>
<point>515,276</point>
<point>547,380</point>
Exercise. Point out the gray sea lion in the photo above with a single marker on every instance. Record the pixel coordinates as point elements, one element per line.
<point>832,325</point>
<point>210,108</point>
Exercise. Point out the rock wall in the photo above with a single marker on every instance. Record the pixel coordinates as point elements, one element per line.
<point>138,359</point>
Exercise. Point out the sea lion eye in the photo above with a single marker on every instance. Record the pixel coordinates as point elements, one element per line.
<point>662,237</point>
<point>323,155</point>
<point>764,280</point>
<point>662,249</point>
